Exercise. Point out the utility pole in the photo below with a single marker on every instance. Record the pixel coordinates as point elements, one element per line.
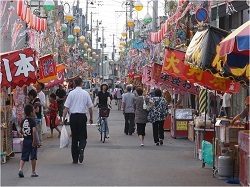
<point>130,15</point>
<point>155,15</point>
<point>113,58</point>
<point>97,61</point>
<point>102,53</point>
<point>86,17</point>
<point>91,30</point>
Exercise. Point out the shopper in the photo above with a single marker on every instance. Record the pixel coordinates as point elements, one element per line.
<point>103,101</point>
<point>61,94</point>
<point>28,129</point>
<point>119,97</point>
<point>53,107</point>
<point>158,107</point>
<point>35,101</point>
<point>39,88</point>
<point>78,103</point>
<point>226,103</point>
<point>128,106</point>
<point>140,115</point>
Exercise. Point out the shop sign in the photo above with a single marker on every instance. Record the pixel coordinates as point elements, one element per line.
<point>175,66</point>
<point>181,125</point>
<point>18,68</point>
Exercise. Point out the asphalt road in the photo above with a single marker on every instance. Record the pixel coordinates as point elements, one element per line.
<point>120,161</point>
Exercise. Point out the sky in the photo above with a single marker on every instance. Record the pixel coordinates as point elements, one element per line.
<point>112,21</point>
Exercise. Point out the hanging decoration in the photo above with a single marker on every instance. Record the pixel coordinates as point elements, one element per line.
<point>16,28</point>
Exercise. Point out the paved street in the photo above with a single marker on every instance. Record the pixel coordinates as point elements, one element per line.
<point>119,161</point>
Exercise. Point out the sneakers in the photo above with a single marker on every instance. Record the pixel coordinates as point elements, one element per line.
<point>34,175</point>
<point>107,136</point>
<point>161,142</point>
<point>81,155</point>
<point>20,173</point>
<point>142,144</point>
<point>157,144</point>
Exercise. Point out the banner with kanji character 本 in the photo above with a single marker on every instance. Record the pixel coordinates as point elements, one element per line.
<point>18,68</point>
<point>47,69</point>
<point>175,66</point>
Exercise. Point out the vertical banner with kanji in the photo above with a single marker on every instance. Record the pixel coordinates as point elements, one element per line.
<point>18,68</point>
<point>47,69</point>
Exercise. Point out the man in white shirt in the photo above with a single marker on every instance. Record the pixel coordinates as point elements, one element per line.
<point>78,103</point>
<point>226,103</point>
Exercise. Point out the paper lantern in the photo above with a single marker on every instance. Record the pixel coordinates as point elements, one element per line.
<point>69,17</point>
<point>19,7</point>
<point>34,22</point>
<point>27,20</point>
<point>124,33</point>
<point>89,50</point>
<point>24,11</point>
<point>49,5</point>
<point>138,5</point>
<point>40,24</point>
<point>45,24</point>
<point>37,23</point>
<point>70,38</point>
<point>82,38</point>
<point>85,45</point>
<point>130,22</point>
<point>64,27</point>
<point>77,29</point>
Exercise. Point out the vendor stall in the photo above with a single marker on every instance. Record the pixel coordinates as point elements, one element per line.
<point>179,123</point>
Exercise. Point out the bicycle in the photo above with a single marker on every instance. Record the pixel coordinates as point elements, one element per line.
<point>103,113</point>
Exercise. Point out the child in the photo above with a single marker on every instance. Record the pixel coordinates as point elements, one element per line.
<point>53,107</point>
<point>28,129</point>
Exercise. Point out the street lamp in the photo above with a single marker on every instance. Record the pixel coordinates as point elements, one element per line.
<point>49,5</point>
<point>124,33</point>
<point>76,29</point>
<point>69,17</point>
<point>64,27</point>
<point>70,38</point>
<point>82,38</point>
<point>130,22</point>
<point>138,5</point>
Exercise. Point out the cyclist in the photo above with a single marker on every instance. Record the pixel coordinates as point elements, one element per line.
<point>103,101</point>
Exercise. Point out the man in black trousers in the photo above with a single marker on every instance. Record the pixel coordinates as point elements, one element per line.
<point>78,103</point>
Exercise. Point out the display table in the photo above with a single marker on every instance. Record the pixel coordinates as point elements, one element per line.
<point>199,136</point>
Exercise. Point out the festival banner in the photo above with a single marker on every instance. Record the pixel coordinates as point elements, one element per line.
<point>18,68</point>
<point>60,73</point>
<point>47,69</point>
<point>174,65</point>
<point>174,82</point>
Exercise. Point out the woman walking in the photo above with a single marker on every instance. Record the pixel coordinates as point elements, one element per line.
<point>159,109</point>
<point>140,115</point>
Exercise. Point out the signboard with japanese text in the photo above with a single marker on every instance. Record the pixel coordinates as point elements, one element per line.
<point>181,125</point>
<point>175,66</point>
<point>60,73</point>
<point>47,69</point>
<point>18,68</point>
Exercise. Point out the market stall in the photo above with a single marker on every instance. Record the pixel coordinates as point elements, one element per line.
<point>17,69</point>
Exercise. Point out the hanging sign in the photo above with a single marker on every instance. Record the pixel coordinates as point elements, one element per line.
<point>47,69</point>
<point>175,66</point>
<point>18,68</point>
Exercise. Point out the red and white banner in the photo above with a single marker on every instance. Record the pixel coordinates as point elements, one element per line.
<point>18,68</point>
<point>47,69</point>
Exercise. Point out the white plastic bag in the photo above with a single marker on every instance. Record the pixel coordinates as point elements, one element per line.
<point>64,139</point>
<point>145,106</point>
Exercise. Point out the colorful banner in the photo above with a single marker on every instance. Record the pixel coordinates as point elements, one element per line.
<point>60,73</point>
<point>174,65</point>
<point>18,68</point>
<point>47,69</point>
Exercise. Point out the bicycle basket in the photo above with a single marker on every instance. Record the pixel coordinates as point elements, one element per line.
<point>104,112</point>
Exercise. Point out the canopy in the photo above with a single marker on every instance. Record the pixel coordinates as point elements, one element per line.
<point>235,49</point>
<point>18,68</point>
<point>203,49</point>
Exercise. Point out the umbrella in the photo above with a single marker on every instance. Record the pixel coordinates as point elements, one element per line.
<point>236,48</point>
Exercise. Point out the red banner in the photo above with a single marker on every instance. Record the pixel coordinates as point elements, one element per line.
<point>60,74</point>
<point>18,68</point>
<point>174,82</point>
<point>47,69</point>
<point>174,65</point>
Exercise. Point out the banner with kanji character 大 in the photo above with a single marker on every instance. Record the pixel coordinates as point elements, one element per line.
<point>18,68</point>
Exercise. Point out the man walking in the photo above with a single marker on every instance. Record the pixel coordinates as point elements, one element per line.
<point>128,105</point>
<point>78,103</point>
<point>119,97</point>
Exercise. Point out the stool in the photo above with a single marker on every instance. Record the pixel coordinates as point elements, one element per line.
<point>3,157</point>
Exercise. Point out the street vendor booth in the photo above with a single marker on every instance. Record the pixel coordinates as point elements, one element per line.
<point>17,69</point>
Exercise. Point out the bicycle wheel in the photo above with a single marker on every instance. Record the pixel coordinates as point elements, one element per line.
<point>103,130</point>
